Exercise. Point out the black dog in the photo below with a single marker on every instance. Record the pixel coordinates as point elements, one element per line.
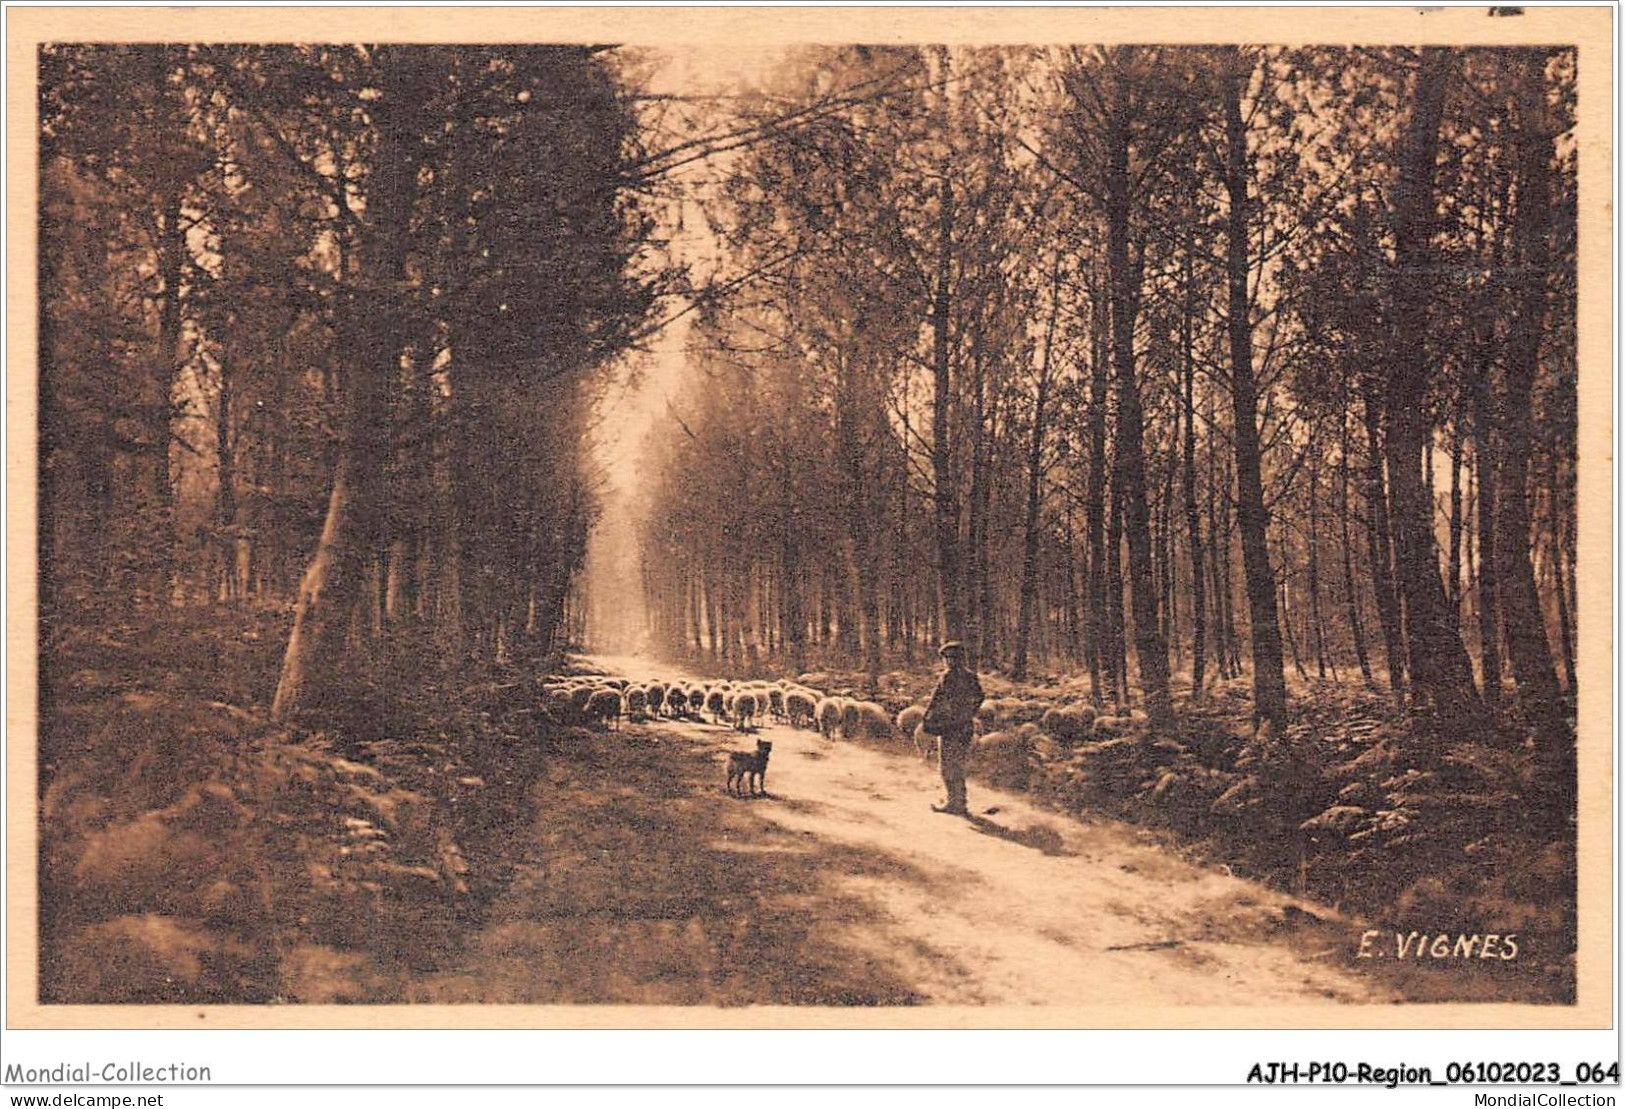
<point>749,768</point>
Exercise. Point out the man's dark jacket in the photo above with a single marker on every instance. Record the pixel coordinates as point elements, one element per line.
<point>952,710</point>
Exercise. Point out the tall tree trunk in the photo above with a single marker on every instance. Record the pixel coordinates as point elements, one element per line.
<point>852,412</point>
<point>1227,585</point>
<point>978,496</point>
<point>869,608</point>
<point>1562,573</point>
<point>1095,622</point>
<point>171,262</point>
<point>278,559</point>
<point>1035,484</point>
<point>1269,683</point>
<point>413,512</point>
<point>1315,622</point>
<point>1168,579</point>
<point>1193,522</point>
<point>896,603</point>
<point>986,624</point>
<point>911,622</point>
<point>1489,607</point>
<point>826,605</point>
<point>225,497</point>
<point>847,641</point>
<point>1430,498</point>
<point>765,619</point>
<point>1151,651</point>
<point>1564,612</point>
<point>471,638</point>
<point>171,241</point>
<point>338,570</point>
<point>1442,693</point>
<point>1539,695</point>
<point>1069,556</point>
<point>1287,613</point>
<point>1453,571</point>
<point>692,642</point>
<point>1380,547</point>
<point>1350,591</point>
<point>950,571</point>
<point>1218,547</point>
<point>1116,631</point>
<point>49,529</point>
<point>332,583</point>
<point>793,621</point>
<point>713,627</point>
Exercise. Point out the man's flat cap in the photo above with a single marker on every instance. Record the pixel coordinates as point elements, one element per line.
<point>954,647</point>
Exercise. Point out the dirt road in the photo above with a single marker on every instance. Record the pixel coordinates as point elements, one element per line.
<point>641,881</point>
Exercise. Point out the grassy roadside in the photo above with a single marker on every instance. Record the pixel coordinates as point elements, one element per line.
<point>193,851</point>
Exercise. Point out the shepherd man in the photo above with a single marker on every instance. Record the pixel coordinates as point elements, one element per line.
<point>951,717</point>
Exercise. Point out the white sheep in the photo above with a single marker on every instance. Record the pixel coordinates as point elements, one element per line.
<point>851,718</point>
<point>1071,723</point>
<point>909,719</point>
<point>801,707</point>
<point>603,705</point>
<point>872,721</point>
<point>829,712</point>
<point>1107,727</point>
<point>911,725</point>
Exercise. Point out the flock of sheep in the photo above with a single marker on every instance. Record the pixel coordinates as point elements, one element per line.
<point>596,699</point>
<point>600,700</point>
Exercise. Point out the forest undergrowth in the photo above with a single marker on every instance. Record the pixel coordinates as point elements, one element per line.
<point>194,852</point>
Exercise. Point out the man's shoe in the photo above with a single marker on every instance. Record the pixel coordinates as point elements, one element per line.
<point>951,810</point>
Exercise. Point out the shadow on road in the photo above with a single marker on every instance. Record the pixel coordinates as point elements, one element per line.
<point>645,883</point>
<point>1039,837</point>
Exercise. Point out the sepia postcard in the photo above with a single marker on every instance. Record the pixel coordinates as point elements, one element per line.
<point>779,517</point>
